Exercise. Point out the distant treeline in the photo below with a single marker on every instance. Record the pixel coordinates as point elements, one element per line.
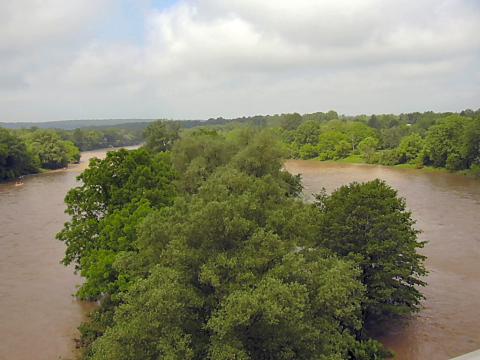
<point>27,151</point>
<point>74,124</point>
<point>445,140</point>
<point>96,138</point>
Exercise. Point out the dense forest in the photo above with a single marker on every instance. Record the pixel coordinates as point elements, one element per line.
<point>199,245</point>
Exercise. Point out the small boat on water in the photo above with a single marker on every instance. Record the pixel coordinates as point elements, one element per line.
<point>19,181</point>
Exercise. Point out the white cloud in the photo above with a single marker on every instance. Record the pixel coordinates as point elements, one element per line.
<point>217,57</point>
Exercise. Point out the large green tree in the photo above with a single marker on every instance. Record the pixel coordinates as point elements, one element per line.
<point>161,135</point>
<point>410,148</point>
<point>49,150</point>
<point>14,157</point>
<point>370,223</point>
<point>115,194</point>
<point>443,143</point>
<point>224,284</point>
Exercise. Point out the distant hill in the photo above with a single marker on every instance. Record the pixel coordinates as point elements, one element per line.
<point>75,124</point>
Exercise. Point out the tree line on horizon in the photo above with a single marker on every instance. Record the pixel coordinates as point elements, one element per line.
<point>445,140</point>
<point>198,245</point>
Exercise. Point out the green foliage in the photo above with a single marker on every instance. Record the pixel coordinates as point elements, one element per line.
<point>357,132</point>
<point>229,268</point>
<point>207,251</point>
<point>453,143</point>
<point>442,144</point>
<point>367,147</point>
<point>26,151</point>
<point>73,152</point>
<point>96,138</point>
<point>161,135</point>
<point>116,193</point>
<point>307,133</point>
<point>387,157</point>
<point>369,223</point>
<point>48,149</point>
<point>470,149</point>
<point>328,146</point>
<point>224,283</point>
<point>410,148</point>
<point>14,157</point>
<point>439,139</point>
<point>280,318</point>
<point>199,153</point>
<point>390,138</point>
<point>260,157</point>
<point>291,121</point>
<point>156,320</point>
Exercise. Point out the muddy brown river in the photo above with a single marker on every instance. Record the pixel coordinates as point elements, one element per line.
<point>39,316</point>
<point>447,210</point>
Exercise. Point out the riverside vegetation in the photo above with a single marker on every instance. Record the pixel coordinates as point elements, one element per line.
<point>441,140</point>
<point>28,151</point>
<point>199,245</point>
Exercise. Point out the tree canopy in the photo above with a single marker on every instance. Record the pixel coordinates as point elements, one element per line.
<point>207,250</point>
<point>27,151</point>
<point>14,157</point>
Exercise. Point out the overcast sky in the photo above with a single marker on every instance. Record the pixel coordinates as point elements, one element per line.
<point>84,59</point>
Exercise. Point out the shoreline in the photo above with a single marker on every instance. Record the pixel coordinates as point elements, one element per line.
<point>358,161</point>
<point>70,166</point>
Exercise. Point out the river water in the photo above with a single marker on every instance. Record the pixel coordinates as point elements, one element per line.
<point>38,314</point>
<point>447,210</point>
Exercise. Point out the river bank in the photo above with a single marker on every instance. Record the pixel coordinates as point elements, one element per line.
<point>79,165</point>
<point>358,160</point>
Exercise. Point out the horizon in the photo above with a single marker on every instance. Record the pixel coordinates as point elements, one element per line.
<point>201,59</point>
<point>138,119</point>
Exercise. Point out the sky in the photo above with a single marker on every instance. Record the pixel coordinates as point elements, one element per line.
<point>196,59</point>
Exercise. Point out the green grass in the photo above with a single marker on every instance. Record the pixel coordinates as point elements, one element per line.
<point>406,166</point>
<point>352,159</point>
<point>429,169</point>
<point>358,159</point>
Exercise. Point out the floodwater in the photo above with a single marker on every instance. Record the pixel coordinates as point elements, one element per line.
<point>447,210</point>
<point>38,314</point>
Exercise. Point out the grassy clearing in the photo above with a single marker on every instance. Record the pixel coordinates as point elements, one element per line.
<point>352,159</point>
<point>358,159</point>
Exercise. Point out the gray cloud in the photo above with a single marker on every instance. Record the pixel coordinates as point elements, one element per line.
<point>238,57</point>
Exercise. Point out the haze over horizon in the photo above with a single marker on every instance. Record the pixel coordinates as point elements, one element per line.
<point>193,59</point>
